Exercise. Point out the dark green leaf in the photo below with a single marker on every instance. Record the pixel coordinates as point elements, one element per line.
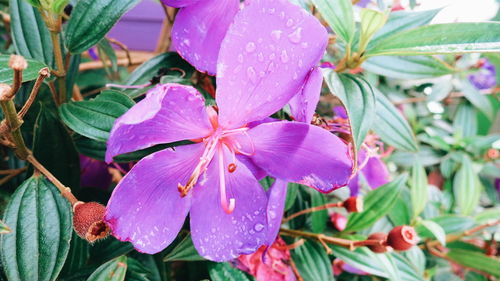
<point>113,270</point>
<point>291,195</point>
<point>319,218</point>
<point>73,72</point>
<point>184,251</point>
<point>376,204</point>
<point>418,188</point>
<point>105,250</point>
<point>6,73</point>
<point>409,67</point>
<point>136,271</point>
<point>107,53</point>
<point>440,39</point>
<point>91,20</point>
<point>339,16</point>
<point>358,99</point>
<point>466,187</point>
<point>41,223</point>
<point>77,256</point>
<point>312,262</point>
<point>391,126</point>
<point>225,272</point>
<point>477,99</point>
<point>30,36</point>
<point>476,260</point>
<point>94,118</point>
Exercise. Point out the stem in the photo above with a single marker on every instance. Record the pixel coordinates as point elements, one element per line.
<point>42,74</point>
<point>14,124</point>
<point>59,71</point>
<point>313,209</point>
<point>331,240</point>
<point>10,174</point>
<point>455,237</point>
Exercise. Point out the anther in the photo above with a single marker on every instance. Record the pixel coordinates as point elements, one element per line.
<point>231,168</point>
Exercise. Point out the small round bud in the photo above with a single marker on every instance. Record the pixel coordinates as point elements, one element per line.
<point>5,92</point>
<point>18,63</point>
<point>402,238</point>
<point>382,247</point>
<point>88,221</point>
<point>492,154</point>
<point>338,221</point>
<point>353,204</point>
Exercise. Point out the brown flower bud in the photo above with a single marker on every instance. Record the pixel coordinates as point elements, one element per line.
<point>382,238</point>
<point>88,221</point>
<point>18,63</point>
<point>402,238</point>
<point>353,204</point>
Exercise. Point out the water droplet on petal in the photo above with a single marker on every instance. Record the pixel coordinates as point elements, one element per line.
<point>272,214</point>
<point>240,58</point>
<point>304,45</point>
<point>284,56</point>
<point>276,34</point>
<point>282,15</point>
<point>272,56</point>
<point>271,11</point>
<point>251,74</point>
<point>289,22</point>
<point>250,47</point>
<point>296,36</point>
<point>260,56</point>
<point>258,227</point>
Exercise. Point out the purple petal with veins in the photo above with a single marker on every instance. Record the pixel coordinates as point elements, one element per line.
<point>304,103</point>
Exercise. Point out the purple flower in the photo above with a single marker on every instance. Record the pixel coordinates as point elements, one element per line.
<point>94,173</point>
<point>363,3</point>
<point>216,179</point>
<point>373,170</point>
<point>199,28</point>
<point>485,77</point>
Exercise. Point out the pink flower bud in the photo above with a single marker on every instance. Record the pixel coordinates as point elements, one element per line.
<point>338,221</point>
<point>402,238</point>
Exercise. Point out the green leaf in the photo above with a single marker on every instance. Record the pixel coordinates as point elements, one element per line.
<point>377,204</point>
<point>319,218</point>
<point>391,126</point>
<point>440,39</point>
<point>402,20</point>
<point>91,20</point>
<point>106,52</point>
<point>225,272</point>
<point>151,68</point>
<point>407,270</point>
<point>435,229</point>
<point>417,258</point>
<point>466,187</point>
<point>475,260</point>
<point>6,73</point>
<point>364,259</point>
<point>291,195</point>
<point>54,148</point>
<point>407,67</point>
<point>487,215</point>
<point>453,223</point>
<point>465,121</point>
<point>30,36</point>
<point>401,214</point>
<point>4,228</point>
<point>184,251</point>
<point>94,118</point>
<point>77,256</point>
<point>113,270</point>
<point>41,223</point>
<point>358,99</point>
<point>339,16</point>
<point>477,99</point>
<point>312,262</point>
<point>371,22</point>
<point>108,249</point>
<point>418,188</point>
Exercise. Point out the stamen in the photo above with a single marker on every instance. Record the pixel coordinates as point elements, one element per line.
<point>231,168</point>
<point>238,146</point>
<point>222,184</point>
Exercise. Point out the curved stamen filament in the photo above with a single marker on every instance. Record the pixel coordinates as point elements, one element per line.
<point>226,133</point>
<point>238,146</point>
<point>227,207</point>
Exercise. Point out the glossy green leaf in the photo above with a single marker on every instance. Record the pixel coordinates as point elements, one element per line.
<point>41,223</point>
<point>401,213</point>
<point>30,36</point>
<point>403,20</point>
<point>107,53</point>
<point>77,256</point>
<point>465,121</point>
<point>440,39</point>
<point>358,99</point>
<point>407,270</point>
<point>477,99</point>
<point>362,258</point>
<point>105,250</point>
<point>184,251</point>
<point>435,229</point>
<point>4,228</point>
<point>418,188</point>
<point>466,187</point>
<point>91,20</point>
<point>482,262</point>
<point>377,204</point>
<point>136,271</point>
<point>319,218</point>
<point>407,67</point>
<point>371,22</point>
<point>113,270</point>
<point>312,262</point>
<point>7,74</point>
<point>391,126</point>
<point>94,118</point>
<point>339,16</point>
<point>225,272</point>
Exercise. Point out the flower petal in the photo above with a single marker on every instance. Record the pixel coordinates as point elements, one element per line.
<point>146,208</point>
<point>301,153</point>
<point>219,236</point>
<point>375,172</point>
<point>169,113</point>
<point>199,29</point>
<point>179,3</point>
<point>275,208</point>
<point>264,59</point>
<point>303,104</point>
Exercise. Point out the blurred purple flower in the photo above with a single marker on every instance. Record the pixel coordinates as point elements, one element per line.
<point>363,3</point>
<point>485,77</point>
<point>199,28</point>
<point>215,179</point>
<point>340,112</point>
<point>94,173</point>
<point>340,266</point>
<point>373,170</point>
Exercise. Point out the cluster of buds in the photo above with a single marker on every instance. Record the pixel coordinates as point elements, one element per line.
<point>88,221</point>
<point>400,238</point>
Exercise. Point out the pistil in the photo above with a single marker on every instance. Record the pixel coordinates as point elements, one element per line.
<point>228,208</point>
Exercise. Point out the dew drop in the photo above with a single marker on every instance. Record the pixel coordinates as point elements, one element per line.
<point>282,15</point>
<point>272,214</point>
<point>250,47</point>
<point>271,11</point>
<point>276,34</point>
<point>296,36</point>
<point>258,227</point>
<point>304,45</point>
<point>240,58</point>
<point>251,74</point>
<point>260,57</point>
<point>284,56</point>
<point>289,22</point>
<point>272,56</point>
